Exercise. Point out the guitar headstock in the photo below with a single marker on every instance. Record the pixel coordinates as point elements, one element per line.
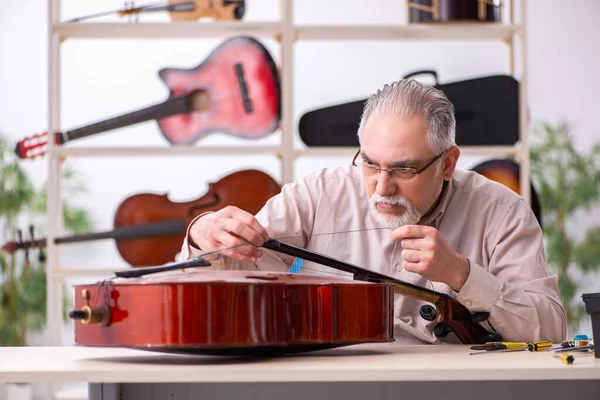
<point>33,146</point>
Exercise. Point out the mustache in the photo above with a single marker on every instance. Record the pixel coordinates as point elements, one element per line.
<point>392,200</point>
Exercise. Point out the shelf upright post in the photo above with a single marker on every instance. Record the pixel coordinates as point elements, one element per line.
<point>523,109</point>
<point>511,39</point>
<point>54,293</point>
<point>287,59</point>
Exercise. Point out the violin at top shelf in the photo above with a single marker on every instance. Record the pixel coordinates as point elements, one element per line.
<point>227,10</point>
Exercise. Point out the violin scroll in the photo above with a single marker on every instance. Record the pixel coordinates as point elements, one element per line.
<point>89,314</point>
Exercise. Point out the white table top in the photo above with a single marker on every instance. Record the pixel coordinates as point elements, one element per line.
<point>369,362</point>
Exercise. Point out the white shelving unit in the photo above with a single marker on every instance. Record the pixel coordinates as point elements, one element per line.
<point>287,33</point>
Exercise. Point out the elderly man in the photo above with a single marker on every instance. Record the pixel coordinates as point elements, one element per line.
<point>402,209</point>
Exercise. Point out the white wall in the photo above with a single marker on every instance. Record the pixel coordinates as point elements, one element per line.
<point>103,78</point>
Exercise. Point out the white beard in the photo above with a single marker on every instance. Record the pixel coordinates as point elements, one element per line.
<point>410,216</point>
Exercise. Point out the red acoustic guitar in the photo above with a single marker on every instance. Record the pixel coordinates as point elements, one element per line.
<point>235,91</point>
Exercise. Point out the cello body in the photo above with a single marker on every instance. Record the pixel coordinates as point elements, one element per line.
<point>245,189</point>
<point>232,313</point>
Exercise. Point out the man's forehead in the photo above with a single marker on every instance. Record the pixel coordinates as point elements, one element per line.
<point>390,128</point>
<point>390,160</point>
<point>394,141</point>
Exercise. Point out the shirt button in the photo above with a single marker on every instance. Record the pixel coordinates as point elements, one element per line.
<point>468,303</point>
<point>398,267</point>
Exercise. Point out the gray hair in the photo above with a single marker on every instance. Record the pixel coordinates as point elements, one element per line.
<point>406,98</point>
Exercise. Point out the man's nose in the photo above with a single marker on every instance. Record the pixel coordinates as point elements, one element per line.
<point>385,184</point>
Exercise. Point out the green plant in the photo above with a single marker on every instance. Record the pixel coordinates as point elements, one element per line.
<point>567,182</point>
<point>22,281</point>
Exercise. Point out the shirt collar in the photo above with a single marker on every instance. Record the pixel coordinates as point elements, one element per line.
<point>434,217</point>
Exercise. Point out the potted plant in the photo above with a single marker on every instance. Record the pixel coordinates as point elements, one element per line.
<point>568,183</point>
<point>23,276</point>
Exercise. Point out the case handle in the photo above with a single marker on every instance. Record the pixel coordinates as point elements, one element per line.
<point>424,72</point>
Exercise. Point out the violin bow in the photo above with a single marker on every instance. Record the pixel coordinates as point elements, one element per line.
<point>198,261</point>
<point>450,315</point>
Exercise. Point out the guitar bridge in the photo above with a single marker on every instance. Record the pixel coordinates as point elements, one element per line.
<point>239,72</point>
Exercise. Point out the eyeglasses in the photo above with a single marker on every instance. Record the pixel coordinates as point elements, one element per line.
<point>402,173</point>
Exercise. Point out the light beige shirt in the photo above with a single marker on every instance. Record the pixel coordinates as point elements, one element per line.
<point>328,212</point>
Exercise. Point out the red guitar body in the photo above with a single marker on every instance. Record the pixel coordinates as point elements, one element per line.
<point>256,79</point>
<point>232,313</point>
<point>235,91</point>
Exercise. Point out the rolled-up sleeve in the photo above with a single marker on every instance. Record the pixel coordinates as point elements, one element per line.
<point>288,216</point>
<point>517,287</point>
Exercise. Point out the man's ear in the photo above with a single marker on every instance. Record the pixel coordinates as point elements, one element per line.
<point>450,160</point>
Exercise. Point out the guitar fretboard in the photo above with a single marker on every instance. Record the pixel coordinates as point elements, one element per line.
<point>165,109</point>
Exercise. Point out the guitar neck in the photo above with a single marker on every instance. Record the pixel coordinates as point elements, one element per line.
<point>178,105</point>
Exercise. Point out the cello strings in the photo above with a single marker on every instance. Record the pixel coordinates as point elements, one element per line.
<point>320,272</point>
<point>332,271</point>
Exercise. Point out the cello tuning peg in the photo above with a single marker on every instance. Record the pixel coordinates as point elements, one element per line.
<point>20,240</point>
<point>42,256</point>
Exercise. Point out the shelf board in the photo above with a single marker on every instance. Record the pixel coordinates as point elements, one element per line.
<point>60,151</point>
<point>157,30</point>
<point>489,150</point>
<point>454,31</point>
<point>349,151</point>
<point>328,151</point>
<point>220,29</point>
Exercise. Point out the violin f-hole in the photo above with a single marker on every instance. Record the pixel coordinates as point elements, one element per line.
<point>216,199</point>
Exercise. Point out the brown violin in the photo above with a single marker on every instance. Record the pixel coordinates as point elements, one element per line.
<point>149,228</point>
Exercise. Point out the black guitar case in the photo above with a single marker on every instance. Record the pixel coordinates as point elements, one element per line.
<point>486,108</point>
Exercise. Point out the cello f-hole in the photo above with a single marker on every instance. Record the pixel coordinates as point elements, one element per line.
<point>264,277</point>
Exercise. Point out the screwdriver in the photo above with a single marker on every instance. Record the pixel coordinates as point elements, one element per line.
<point>499,346</point>
<point>537,346</point>
<point>589,346</point>
<point>564,345</point>
<point>566,358</point>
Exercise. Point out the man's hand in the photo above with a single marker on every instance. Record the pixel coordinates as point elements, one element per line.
<point>425,252</point>
<point>229,227</point>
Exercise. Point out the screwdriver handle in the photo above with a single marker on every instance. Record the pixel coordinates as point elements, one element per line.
<point>537,346</point>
